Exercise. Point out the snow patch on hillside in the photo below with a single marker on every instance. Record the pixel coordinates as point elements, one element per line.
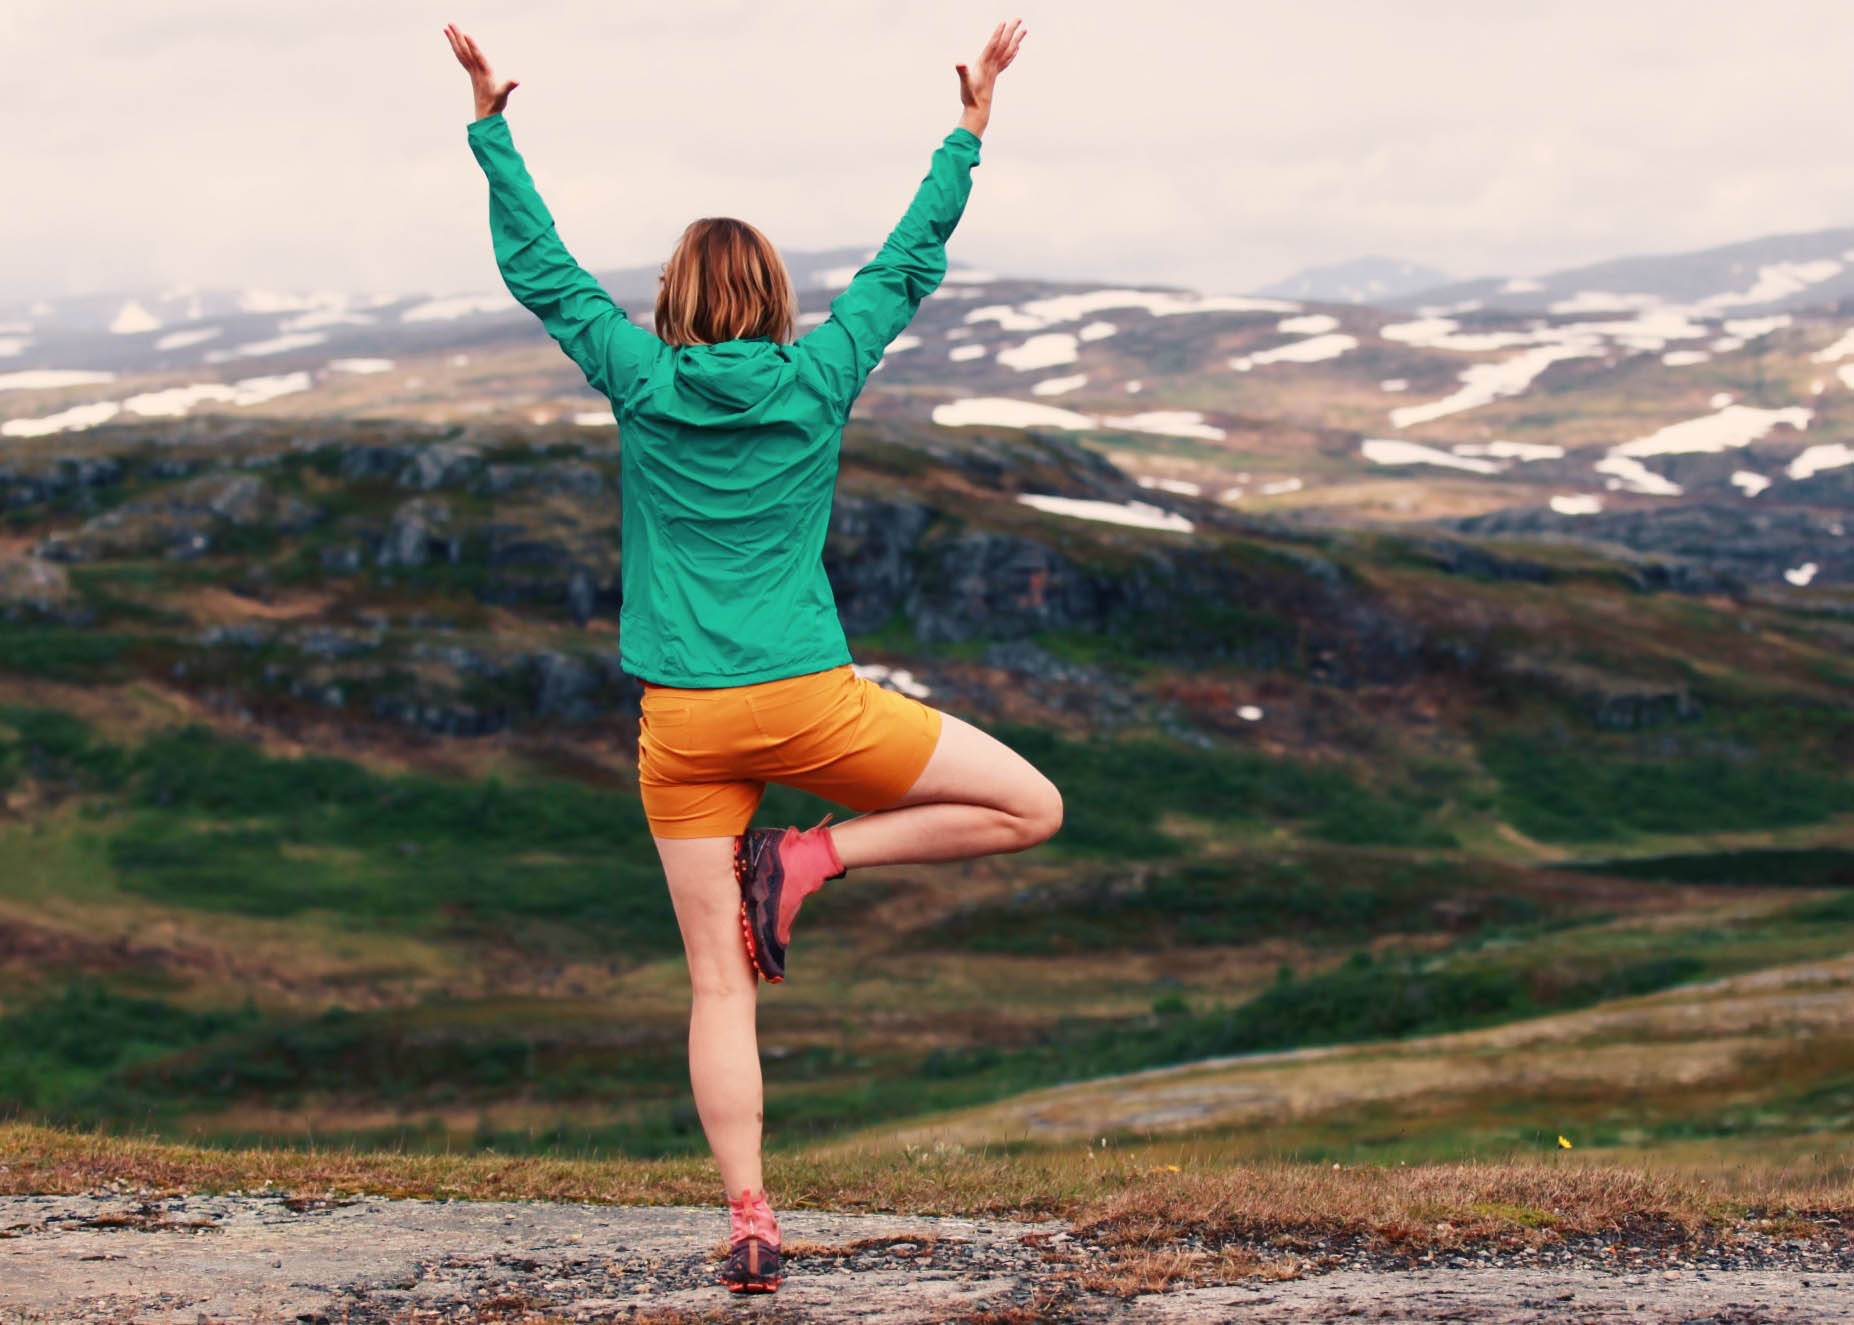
<point>259,349</point>
<point>1097,331</point>
<point>1511,450</point>
<point>326,317</point>
<point>1389,451</point>
<point>1603,301</point>
<point>1165,423</point>
<point>132,320</point>
<point>463,305</point>
<point>361,365</point>
<point>1582,503</point>
<point>1684,358</point>
<point>1733,426</point>
<point>1314,349</point>
<point>1183,487</point>
<point>1059,386</point>
<point>1801,575</point>
<point>1633,476</point>
<point>1136,513</point>
<point>1813,460</point>
<point>45,379</point>
<point>961,353</point>
<point>71,420</point>
<point>1040,352</point>
<point>1841,349</point>
<point>153,404</point>
<point>179,340</point>
<point>1312,324</point>
<point>1041,314</point>
<point>1002,412</point>
<point>1483,383</point>
<point>1749,481</point>
<point>892,678</point>
<point>1777,280</point>
<point>1750,328</point>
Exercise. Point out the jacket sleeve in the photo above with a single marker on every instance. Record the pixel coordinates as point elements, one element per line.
<point>595,333</point>
<point>882,298</point>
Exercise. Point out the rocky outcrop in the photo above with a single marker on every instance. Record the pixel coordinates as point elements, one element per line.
<point>181,522</point>
<point>33,587</point>
<point>1696,547</point>
<point>1611,702</point>
<point>75,479</point>
<point>420,532</point>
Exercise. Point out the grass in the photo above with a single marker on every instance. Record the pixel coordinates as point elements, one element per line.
<point>1558,792</point>
<point>1142,1197</point>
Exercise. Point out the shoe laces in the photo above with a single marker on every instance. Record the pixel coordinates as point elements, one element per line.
<point>750,1216</point>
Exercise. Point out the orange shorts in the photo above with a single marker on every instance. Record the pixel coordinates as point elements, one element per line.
<point>704,757</point>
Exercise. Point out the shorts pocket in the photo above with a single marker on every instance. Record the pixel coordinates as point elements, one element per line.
<point>665,715</point>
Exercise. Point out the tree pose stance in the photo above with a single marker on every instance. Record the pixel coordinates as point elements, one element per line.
<point>731,430</point>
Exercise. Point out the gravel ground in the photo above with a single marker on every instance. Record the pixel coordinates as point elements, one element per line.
<point>249,1258</point>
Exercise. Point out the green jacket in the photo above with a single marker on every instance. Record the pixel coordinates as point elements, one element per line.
<point>729,452</point>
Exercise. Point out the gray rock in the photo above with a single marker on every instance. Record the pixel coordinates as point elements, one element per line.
<point>343,558</point>
<point>983,585</point>
<point>241,635</point>
<point>420,532</point>
<point>560,478</point>
<point>563,687</point>
<point>295,516</point>
<point>439,718</point>
<point>373,462</point>
<point>327,642</point>
<point>442,465</point>
<point>869,555</point>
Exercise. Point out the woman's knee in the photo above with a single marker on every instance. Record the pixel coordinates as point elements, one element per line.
<point>719,976</point>
<point>1041,813</point>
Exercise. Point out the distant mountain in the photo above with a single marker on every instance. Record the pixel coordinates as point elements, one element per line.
<point>1777,273</point>
<point>251,311</point>
<point>1360,281</point>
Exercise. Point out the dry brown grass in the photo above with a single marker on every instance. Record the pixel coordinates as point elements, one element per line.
<point>1118,1199</point>
<point>1137,1272</point>
<point>801,1249</point>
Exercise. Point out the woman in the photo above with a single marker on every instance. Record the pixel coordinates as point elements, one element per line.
<point>731,431</point>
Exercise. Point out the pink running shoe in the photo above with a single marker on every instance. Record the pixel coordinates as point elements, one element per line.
<point>752,1264</point>
<point>777,869</point>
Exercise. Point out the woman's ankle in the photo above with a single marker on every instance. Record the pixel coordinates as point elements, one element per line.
<point>750,1215</point>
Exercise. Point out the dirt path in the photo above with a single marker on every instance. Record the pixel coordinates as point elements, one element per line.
<point>266,1259</point>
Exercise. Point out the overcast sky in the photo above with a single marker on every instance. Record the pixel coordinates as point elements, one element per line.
<point>302,145</point>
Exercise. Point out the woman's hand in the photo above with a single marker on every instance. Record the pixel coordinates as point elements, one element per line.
<point>975,87</point>
<point>490,99</point>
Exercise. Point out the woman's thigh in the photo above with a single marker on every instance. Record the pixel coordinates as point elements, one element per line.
<point>700,871</point>
<point>968,767</point>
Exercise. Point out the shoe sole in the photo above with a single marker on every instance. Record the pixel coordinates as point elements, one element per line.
<point>753,949</point>
<point>756,1286</point>
<point>758,954</point>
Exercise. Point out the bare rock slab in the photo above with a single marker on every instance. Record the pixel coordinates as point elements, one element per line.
<point>1508,1296</point>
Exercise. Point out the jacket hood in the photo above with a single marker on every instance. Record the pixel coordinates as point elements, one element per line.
<point>733,382</point>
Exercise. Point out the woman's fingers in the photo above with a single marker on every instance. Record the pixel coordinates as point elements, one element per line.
<point>467,54</point>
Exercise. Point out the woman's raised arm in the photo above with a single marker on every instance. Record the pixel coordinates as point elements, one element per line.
<point>975,92</point>
<point>574,308</point>
<point>884,295</point>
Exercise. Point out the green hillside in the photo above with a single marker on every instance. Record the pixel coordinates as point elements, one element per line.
<point>320,814</point>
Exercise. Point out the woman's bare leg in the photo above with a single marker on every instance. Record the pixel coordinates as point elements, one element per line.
<point>724,1054</point>
<point>976,797</point>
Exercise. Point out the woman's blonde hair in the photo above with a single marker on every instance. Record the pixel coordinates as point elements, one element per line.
<point>725,281</point>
